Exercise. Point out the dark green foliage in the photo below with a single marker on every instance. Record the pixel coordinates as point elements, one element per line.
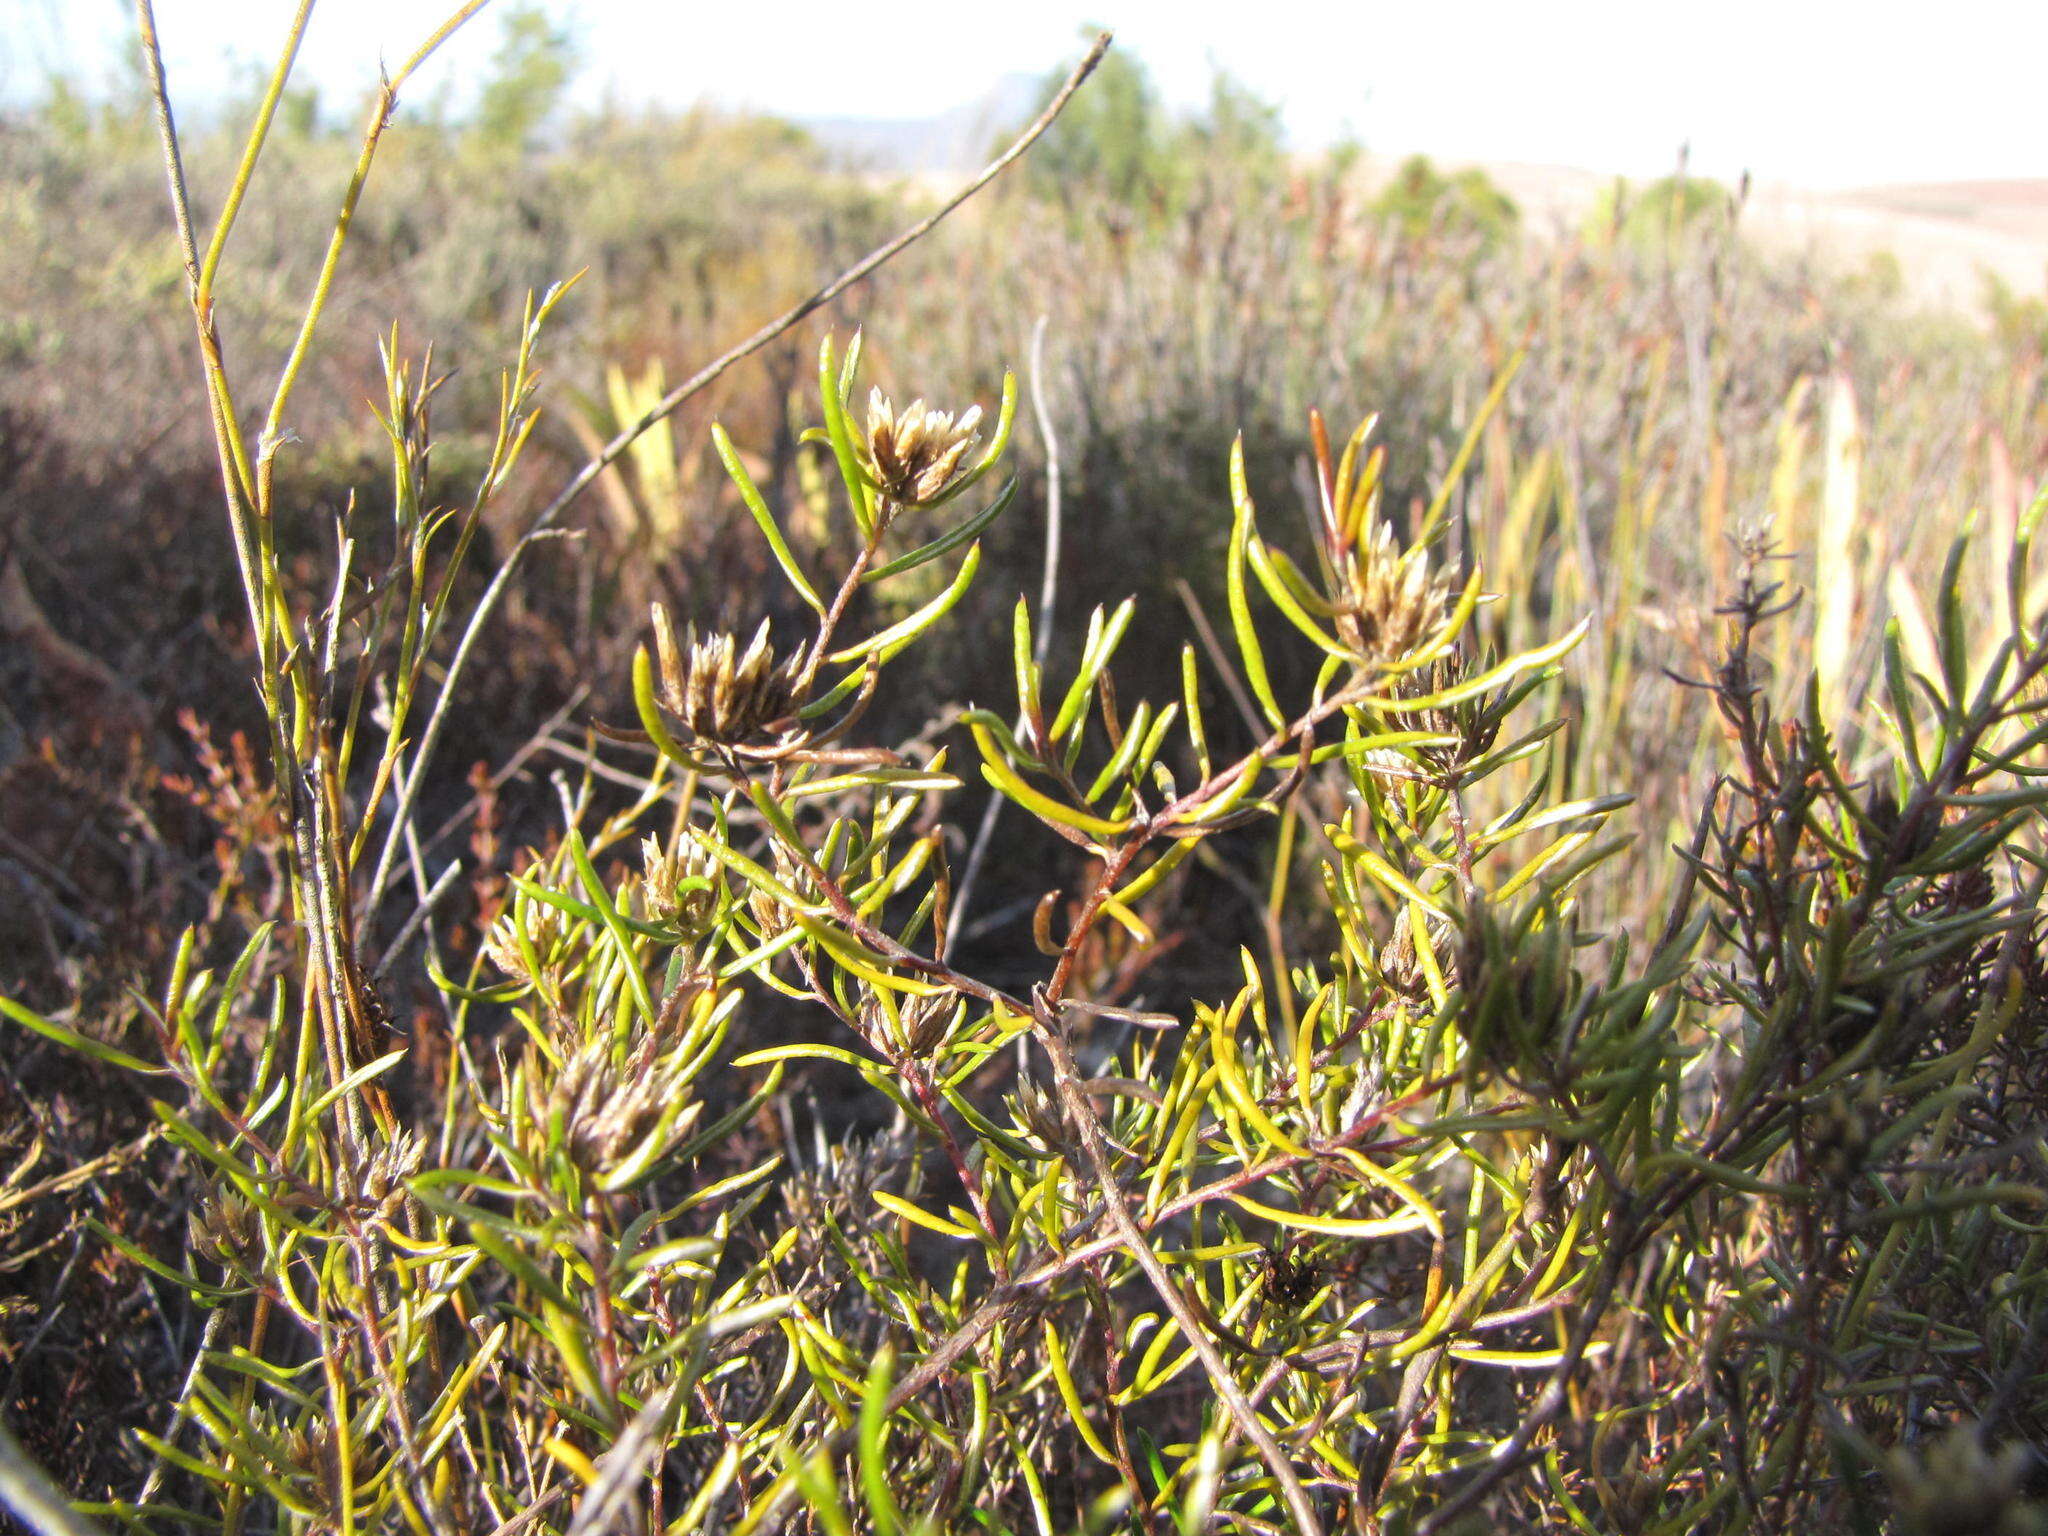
<point>1464,205</point>
<point>531,69</point>
<point>1118,147</point>
<point>1111,145</point>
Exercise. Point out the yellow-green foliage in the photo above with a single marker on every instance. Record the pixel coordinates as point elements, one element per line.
<point>1655,217</point>
<point>1518,1178</point>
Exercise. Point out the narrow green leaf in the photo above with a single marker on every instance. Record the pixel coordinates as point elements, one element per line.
<point>1456,472</point>
<point>1126,753</point>
<point>1248,646</point>
<point>946,542</point>
<point>1093,660</point>
<point>608,914</point>
<point>833,389</point>
<point>1191,697</point>
<point>1020,650</point>
<point>650,711</point>
<point>805,1052</point>
<point>888,642</point>
<point>357,1078</point>
<point>751,495</point>
<point>77,1042</point>
<point>874,1445</point>
<point>1004,778</point>
<point>1264,565</point>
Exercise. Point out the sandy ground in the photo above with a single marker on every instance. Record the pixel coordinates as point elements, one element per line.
<point>1946,236</point>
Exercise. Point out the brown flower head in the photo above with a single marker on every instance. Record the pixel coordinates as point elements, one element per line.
<point>1400,966</point>
<point>1465,729</point>
<point>1392,604</point>
<point>1954,1486</point>
<point>1838,1133</point>
<point>772,916</point>
<point>604,1109</point>
<point>667,892</point>
<point>916,456</point>
<point>1037,1112</point>
<point>376,1177</point>
<point>724,694</point>
<point>226,1227</point>
<point>545,929</point>
<point>305,1454</point>
<point>918,1023</point>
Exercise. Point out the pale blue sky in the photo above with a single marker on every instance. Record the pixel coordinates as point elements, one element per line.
<point>1811,91</point>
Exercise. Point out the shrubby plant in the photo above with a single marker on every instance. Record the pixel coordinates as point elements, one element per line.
<point>1515,1206</point>
<point>1662,215</point>
<point>1466,204</point>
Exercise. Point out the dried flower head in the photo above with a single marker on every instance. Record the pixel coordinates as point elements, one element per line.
<point>1392,604</point>
<point>376,1177</point>
<point>1631,1499</point>
<point>830,1201</point>
<point>1470,726</point>
<point>1292,1276</point>
<point>1400,966</point>
<point>1839,1130</point>
<point>772,916</point>
<point>913,458</point>
<point>305,1454</point>
<point>1955,1487</point>
<point>544,928</point>
<point>603,1108</point>
<point>690,996</point>
<point>669,892</point>
<point>721,693</point>
<point>919,1023</point>
<point>1524,998</point>
<point>225,1225</point>
<point>1037,1112</point>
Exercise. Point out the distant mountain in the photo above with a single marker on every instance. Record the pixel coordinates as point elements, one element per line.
<point>958,140</point>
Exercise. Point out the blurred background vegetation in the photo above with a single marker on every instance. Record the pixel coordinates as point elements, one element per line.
<point>1197,279</point>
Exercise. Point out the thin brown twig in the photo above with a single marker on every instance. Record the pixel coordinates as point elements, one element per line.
<point>1514,1452</point>
<point>1048,595</point>
<point>83,1173</point>
<point>1082,1115</point>
<point>500,582</point>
